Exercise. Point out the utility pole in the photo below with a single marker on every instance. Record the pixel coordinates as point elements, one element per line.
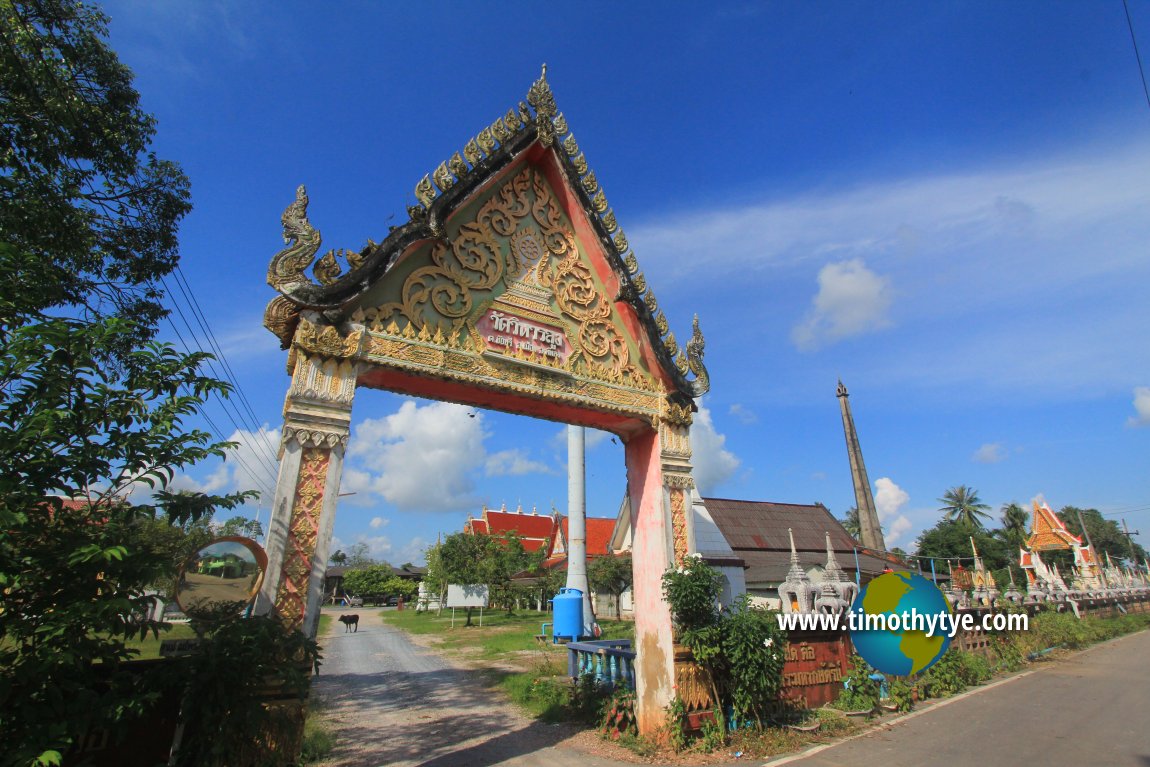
<point>1130,540</point>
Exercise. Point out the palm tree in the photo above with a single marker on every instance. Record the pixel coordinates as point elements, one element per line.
<point>1014,520</point>
<point>962,505</point>
<point>852,524</point>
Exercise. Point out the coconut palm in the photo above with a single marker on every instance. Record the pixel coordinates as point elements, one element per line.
<point>852,524</point>
<point>961,504</point>
<point>1014,520</point>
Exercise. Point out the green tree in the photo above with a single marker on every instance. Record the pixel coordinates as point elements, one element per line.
<point>90,408</point>
<point>459,560</point>
<point>368,583</point>
<point>70,577</point>
<point>950,540</point>
<point>360,557</point>
<point>242,526</point>
<point>90,211</point>
<point>611,575</point>
<point>1014,522</point>
<point>1106,535</point>
<point>961,504</point>
<point>338,558</point>
<point>851,523</point>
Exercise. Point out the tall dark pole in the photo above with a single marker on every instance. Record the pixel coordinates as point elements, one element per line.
<point>870,531</point>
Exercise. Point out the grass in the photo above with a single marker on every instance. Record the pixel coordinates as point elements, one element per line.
<point>500,635</point>
<point>149,647</point>
<point>533,674</point>
<point>318,738</point>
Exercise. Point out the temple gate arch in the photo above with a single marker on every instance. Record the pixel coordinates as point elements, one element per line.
<point>512,288</point>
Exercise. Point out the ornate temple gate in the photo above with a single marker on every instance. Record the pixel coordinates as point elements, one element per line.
<point>511,287</point>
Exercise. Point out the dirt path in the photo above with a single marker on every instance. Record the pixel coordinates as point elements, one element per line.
<point>392,702</point>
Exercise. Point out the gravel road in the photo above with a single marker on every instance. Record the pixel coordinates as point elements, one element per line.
<point>392,702</point>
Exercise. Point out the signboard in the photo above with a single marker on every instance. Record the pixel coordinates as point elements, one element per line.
<point>467,596</point>
<point>508,333</point>
<point>814,668</point>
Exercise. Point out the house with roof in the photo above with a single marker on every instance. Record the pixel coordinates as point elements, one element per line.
<point>535,530</point>
<point>748,542</point>
<point>759,533</point>
<point>551,534</point>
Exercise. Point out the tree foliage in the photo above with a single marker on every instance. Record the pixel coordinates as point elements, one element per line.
<point>74,580</point>
<point>1106,535</point>
<point>242,526</point>
<point>961,504</point>
<point>951,540</point>
<point>91,211</point>
<point>465,559</point>
<point>851,523</point>
<point>90,408</point>
<point>1015,520</point>
<point>611,575</point>
<point>376,583</point>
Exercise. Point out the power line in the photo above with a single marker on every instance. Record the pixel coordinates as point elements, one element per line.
<point>233,414</point>
<point>190,298</point>
<point>220,434</point>
<point>1137,54</point>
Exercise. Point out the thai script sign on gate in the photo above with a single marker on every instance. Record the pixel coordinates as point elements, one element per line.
<point>509,334</point>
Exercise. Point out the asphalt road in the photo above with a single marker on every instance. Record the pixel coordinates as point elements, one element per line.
<point>394,703</point>
<point>1088,710</point>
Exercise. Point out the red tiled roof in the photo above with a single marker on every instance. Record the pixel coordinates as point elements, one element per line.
<point>526,525</point>
<point>598,531</point>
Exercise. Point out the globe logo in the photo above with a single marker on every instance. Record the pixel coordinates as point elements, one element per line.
<point>903,647</point>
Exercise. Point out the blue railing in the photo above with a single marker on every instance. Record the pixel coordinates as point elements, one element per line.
<point>610,661</point>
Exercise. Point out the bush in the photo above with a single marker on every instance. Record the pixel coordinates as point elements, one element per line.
<point>955,671</point>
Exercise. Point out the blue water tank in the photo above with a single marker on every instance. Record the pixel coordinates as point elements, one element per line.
<point>568,615</point>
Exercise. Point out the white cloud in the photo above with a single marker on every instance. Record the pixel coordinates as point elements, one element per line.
<point>713,464</point>
<point>743,414</point>
<point>889,500</point>
<point>251,465</point>
<point>514,463</point>
<point>980,263</point>
<point>1141,406</point>
<point>378,522</point>
<point>852,300</point>
<point>420,458</point>
<point>991,452</point>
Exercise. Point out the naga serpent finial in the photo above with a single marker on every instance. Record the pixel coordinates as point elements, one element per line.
<point>702,383</point>
<point>285,272</point>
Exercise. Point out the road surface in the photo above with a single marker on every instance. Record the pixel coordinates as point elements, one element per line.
<point>394,703</point>
<point>1088,709</point>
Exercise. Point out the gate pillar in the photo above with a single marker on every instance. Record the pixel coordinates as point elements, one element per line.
<point>317,418</point>
<point>659,482</point>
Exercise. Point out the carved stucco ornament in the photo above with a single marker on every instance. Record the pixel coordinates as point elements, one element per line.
<point>327,341</point>
<point>286,272</point>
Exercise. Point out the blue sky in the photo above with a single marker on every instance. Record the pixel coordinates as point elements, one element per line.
<point>943,204</point>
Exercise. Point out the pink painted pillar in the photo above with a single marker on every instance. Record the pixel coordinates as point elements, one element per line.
<point>651,556</point>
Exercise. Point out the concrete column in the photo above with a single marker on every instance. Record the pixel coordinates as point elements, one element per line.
<point>577,523</point>
<point>317,418</point>
<point>651,557</point>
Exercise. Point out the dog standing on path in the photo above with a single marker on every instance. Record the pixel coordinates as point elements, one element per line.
<point>350,623</point>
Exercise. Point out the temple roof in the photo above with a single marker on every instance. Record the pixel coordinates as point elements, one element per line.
<point>1047,531</point>
<point>532,127</point>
